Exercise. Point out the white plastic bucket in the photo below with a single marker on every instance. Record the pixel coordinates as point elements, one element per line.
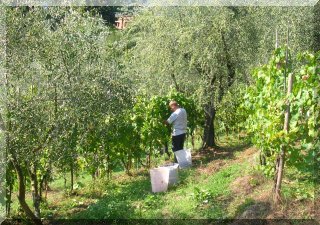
<point>184,158</point>
<point>173,173</point>
<point>159,179</point>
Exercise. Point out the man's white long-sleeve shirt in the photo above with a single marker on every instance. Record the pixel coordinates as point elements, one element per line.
<point>179,120</point>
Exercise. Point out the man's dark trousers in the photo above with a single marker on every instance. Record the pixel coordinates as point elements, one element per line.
<point>177,143</point>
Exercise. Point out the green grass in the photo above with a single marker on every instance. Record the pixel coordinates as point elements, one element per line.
<point>198,195</point>
<point>298,185</point>
<point>193,197</point>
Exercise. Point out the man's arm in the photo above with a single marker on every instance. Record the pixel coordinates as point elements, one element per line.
<point>172,118</point>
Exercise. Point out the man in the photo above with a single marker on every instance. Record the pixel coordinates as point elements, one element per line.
<point>178,119</point>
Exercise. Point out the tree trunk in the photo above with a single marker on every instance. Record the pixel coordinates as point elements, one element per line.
<point>20,176</point>
<point>46,186</point>
<point>129,164</point>
<point>9,187</point>
<point>230,66</point>
<point>175,82</point>
<point>279,175</point>
<point>209,129</point>
<point>126,165</point>
<point>149,156</point>
<point>35,191</point>
<point>15,163</point>
<point>41,187</point>
<point>65,181</point>
<point>108,167</point>
<point>71,176</point>
<point>22,194</point>
<point>8,200</point>
<point>281,157</point>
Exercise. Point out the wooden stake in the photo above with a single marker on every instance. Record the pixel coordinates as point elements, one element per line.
<point>277,197</point>
<point>281,158</point>
<point>276,39</point>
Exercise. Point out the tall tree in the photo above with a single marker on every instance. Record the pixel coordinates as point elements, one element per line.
<point>60,86</point>
<point>203,51</point>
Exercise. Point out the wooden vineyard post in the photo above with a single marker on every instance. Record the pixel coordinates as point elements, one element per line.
<point>281,157</point>
<point>276,45</point>
<point>281,160</point>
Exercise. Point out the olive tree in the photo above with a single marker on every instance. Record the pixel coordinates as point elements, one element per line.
<point>60,87</point>
<point>203,51</point>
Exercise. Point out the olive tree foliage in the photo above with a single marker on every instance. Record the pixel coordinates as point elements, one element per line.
<point>93,89</point>
<point>298,21</point>
<point>28,123</point>
<point>60,87</point>
<point>272,26</point>
<point>203,51</point>
<point>197,50</point>
<point>3,162</point>
<point>316,17</point>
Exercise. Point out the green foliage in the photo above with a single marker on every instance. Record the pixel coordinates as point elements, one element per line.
<point>266,100</point>
<point>299,192</point>
<point>195,50</point>
<point>73,99</point>
<point>202,196</point>
<point>230,117</point>
<point>152,201</point>
<point>194,110</point>
<point>148,114</point>
<point>60,86</point>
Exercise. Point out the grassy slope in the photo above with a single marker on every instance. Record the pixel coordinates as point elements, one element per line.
<point>222,184</point>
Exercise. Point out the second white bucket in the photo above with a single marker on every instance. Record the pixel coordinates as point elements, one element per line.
<point>173,173</point>
<point>184,158</point>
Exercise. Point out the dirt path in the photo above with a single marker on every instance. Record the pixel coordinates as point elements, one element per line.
<point>209,161</point>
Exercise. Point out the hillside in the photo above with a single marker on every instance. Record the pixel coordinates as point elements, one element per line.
<point>223,183</point>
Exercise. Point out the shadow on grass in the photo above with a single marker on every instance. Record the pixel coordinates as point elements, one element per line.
<point>251,209</point>
<point>208,155</point>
